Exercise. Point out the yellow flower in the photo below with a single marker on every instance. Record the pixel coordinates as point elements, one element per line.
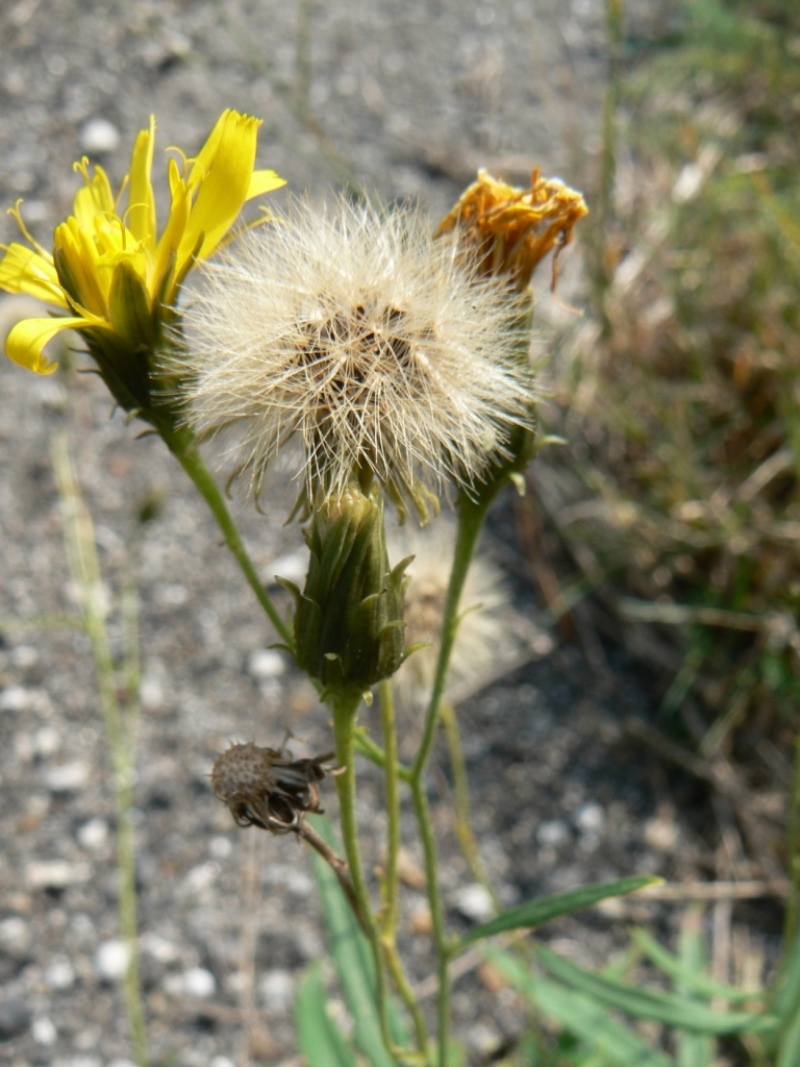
<point>511,230</point>
<point>111,274</point>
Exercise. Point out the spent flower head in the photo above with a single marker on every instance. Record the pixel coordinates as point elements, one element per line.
<point>511,230</point>
<point>267,787</point>
<point>111,275</point>
<point>352,329</point>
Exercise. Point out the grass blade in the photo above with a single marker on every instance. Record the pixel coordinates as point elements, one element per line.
<point>319,1039</point>
<point>353,960</point>
<point>537,912</point>
<point>610,1043</point>
<point>670,1009</point>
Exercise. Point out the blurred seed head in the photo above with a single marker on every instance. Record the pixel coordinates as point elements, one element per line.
<point>488,633</point>
<point>352,329</point>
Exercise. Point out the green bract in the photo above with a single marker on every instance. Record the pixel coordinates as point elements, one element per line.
<point>349,618</point>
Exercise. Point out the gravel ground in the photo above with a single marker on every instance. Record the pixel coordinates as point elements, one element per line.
<point>408,100</point>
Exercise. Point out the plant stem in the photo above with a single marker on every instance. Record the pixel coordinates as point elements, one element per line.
<point>345,711</point>
<point>471,514</point>
<point>388,923</point>
<point>183,445</point>
<point>389,887</point>
<point>85,570</point>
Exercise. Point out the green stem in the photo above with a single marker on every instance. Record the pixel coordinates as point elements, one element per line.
<point>345,711</point>
<point>183,445</point>
<point>389,912</point>
<point>441,944</point>
<point>366,747</point>
<point>390,882</point>
<point>471,514</point>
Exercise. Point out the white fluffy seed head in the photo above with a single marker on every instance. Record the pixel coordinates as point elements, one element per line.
<point>353,329</point>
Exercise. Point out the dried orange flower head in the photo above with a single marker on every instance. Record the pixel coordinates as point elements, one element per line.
<point>511,230</point>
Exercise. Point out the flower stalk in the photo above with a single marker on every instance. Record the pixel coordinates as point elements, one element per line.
<point>182,444</point>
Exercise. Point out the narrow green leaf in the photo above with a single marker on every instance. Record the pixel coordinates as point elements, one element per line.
<point>537,912</point>
<point>319,1039</point>
<point>353,960</point>
<point>785,1002</point>
<point>670,1009</point>
<point>692,981</point>
<point>789,1048</point>
<point>693,1050</point>
<point>611,1044</point>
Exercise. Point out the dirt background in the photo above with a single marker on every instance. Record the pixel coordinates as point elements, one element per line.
<point>407,100</point>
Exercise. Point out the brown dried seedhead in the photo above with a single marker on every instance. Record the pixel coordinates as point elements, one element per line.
<point>265,787</point>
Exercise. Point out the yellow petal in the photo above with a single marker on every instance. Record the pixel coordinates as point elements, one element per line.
<point>77,254</point>
<point>24,271</point>
<point>141,214</point>
<point>95,198</point>
<point>221,174</point>
<point>173,231</point>
<point>26,342</point>
<point>264,181</point>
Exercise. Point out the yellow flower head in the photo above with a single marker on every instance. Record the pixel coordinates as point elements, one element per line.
<point>511,230</point>
<point>111,273</point>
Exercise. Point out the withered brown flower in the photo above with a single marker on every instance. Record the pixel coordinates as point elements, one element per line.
<point>266,787</point>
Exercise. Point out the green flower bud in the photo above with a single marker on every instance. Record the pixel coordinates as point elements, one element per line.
<point>349,618</point>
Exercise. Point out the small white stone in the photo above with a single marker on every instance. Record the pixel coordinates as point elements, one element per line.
<point>151,693</point>
<point>589,818</point>
<point>220,847</point>
<point>68,778</point>
<point>661,833</point>
<point>99,135</point>
<point>55,874</point>
<point>111,960</point>
<point>199,983</point>
<point>474,901</point>
<point>16,936</point>
<point>552,833</point>
<point>159,948</point>
<point>43,1032</point>
<point>266,663</point>
<point>46,741</point>
<point>222,1061</point>
<point>277,989</point>
<point>93,834</point>
<point>17,698</point>
<point>60,974</point>
<point>299,883</point>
